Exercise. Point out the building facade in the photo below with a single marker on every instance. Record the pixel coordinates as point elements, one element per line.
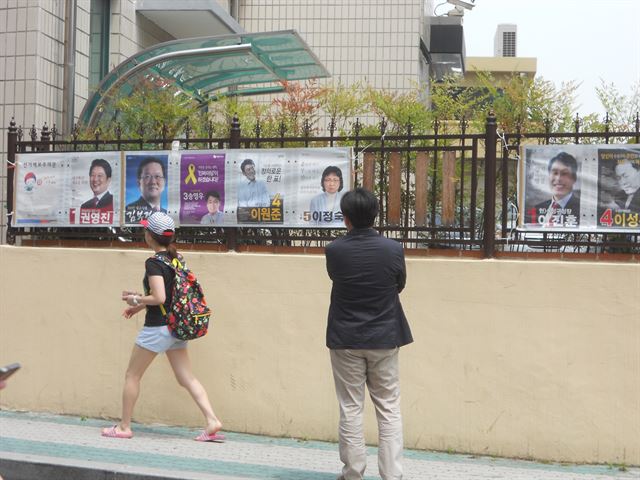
<point>53,53</point>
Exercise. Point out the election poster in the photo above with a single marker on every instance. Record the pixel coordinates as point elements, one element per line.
<point>94,188</point>
<point>67,189</point>
<point>40,194</point>
<point>324,176</point>
<point>579,188</point>
<point>295,187</point>
<point>619,187</point>
<point>202,190</point>
<point>146,180</point>
<point>258,186</point>
<point>285,187</point>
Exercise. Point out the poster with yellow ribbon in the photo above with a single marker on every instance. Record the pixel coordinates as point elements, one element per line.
<point>202,193</point>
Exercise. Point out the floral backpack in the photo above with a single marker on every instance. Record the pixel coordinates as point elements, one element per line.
<point>188,317</point>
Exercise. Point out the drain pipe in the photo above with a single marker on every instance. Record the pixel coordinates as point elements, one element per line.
<point>68,89</point>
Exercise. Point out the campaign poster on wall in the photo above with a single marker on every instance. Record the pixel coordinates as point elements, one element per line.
<point>324,175</point>
<point>294,187</point>
<point>94,188</point>
<point>619,187</point>
<point>146,180</point>
<point>579,188</point>
<point>40,194</point>
<point>202,188</point>
<point>257,185</point>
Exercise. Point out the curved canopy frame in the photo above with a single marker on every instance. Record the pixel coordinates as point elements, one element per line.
<point>201,67</point>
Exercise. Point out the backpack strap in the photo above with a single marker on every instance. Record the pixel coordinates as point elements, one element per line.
<point>175,264</point>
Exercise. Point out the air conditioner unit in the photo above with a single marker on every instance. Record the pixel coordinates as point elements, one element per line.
<point>505,41</point>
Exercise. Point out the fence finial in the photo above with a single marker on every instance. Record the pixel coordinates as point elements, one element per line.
<point>235,122</point>
<point>306,128</point>
<point>357,127</point>
<point>44,132</point>
<point>464,123</point>
<point>234,136</point>
<point>187,129</point>
<point>383,126</point>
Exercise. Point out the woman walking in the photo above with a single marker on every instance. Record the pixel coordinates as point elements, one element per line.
<point>155,337</point>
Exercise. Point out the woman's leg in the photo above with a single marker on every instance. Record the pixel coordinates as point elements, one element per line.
<point>181,364</point>
<point>140,359</point>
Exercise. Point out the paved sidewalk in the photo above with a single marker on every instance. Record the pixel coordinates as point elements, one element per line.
<point>162,452</point>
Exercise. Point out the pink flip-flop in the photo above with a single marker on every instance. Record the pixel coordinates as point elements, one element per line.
<point>206,437</point>
<point>112,432</point>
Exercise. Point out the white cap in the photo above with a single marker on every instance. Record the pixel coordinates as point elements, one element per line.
<point>160,223</point>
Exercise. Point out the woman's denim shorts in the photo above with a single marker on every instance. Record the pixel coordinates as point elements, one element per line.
<point>158,339</point>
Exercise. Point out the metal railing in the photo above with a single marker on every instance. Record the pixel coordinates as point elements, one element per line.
<point>433,188</point>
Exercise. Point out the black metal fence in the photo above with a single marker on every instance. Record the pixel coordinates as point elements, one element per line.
<point>433,189</point>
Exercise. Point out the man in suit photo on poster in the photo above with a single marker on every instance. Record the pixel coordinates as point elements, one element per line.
<point>563,208</point>
<point>99,181</point>
<point>628,177</point>
<point>151,179</point>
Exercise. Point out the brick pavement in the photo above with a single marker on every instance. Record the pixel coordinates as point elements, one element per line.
<point>170,452</point>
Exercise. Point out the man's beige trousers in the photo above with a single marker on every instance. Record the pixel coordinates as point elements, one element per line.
<point>378,369</point>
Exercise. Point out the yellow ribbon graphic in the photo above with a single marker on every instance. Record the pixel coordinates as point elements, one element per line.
<point>191,177</point>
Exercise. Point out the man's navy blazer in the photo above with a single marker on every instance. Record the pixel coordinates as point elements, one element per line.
<point>368,273</point>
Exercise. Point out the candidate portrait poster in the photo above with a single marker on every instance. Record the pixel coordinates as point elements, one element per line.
<point>619,187</point>
<point>202,188</point>
<point>94,188</point>
<point>579,188</point>
<point>281,187</point>
<point>290,187</point>
<point>257,181</point>
<point>145,185</point>
<point>324,175</point>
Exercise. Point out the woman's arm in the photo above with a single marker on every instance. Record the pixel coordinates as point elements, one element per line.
<point>157,295</point>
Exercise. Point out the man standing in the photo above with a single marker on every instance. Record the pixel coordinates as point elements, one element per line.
<point>563,208</point>
<point>366,326</point>
<point>251,192</point>
<point>151,178</point>
<point>99,181</point>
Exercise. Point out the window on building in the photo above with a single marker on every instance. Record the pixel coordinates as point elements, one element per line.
<point>98,42</point>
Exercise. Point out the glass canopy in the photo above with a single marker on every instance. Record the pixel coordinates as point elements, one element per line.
<point>202,67</point>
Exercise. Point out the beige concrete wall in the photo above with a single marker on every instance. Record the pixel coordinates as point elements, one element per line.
<point>523,359</point>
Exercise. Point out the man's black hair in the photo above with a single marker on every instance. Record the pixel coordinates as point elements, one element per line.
<point>360,206</point>
<point>212,193</point>
<point>246,162</point>
<point>328,171</point>
<point>146,162</point>
<point>565,159</point>
<point>100,162</point>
